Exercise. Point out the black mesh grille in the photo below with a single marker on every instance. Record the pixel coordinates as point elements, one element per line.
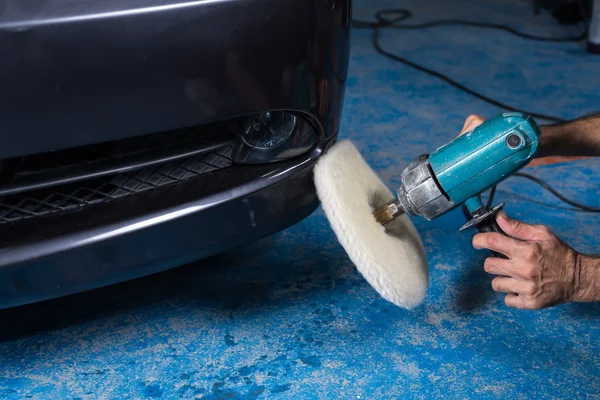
<point>80,194</point>
<point>125,148</point>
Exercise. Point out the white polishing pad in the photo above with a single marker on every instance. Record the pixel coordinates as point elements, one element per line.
<point>391,259</point>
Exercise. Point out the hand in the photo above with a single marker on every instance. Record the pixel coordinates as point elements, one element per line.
<point>542,270</point>
<point>472,122</point>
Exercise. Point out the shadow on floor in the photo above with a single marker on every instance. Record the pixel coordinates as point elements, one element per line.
<point>475,290</point>
<point>586,311</point>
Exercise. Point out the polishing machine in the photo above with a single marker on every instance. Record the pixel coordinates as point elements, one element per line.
<point>458,172</point>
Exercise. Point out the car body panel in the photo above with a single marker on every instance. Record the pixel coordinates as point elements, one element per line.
<point>124,68</point>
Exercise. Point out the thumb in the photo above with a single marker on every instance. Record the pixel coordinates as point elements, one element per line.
<point>472,122</point>
<point>516,229</point>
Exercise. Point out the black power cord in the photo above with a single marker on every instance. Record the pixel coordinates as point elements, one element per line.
<point>549,188</point>
<point>383,23</point>
<point>391,18</point>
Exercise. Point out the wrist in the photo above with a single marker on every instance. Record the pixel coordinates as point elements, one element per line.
<point>587,279</point>
<point>548,140</point>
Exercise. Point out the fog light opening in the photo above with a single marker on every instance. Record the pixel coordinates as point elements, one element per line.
<point>274,136</point>
<point>268,130</point>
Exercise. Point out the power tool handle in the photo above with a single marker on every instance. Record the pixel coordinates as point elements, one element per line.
<point>490,225</point>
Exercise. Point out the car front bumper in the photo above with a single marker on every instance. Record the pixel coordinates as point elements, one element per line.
<point>201,218</point>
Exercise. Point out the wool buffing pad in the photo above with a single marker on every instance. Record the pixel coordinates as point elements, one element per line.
<point>391,258</point>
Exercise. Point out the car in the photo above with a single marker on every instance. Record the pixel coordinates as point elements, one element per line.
<point>143,135</point>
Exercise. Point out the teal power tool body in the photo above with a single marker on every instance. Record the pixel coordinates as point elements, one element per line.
<point>458,172</point>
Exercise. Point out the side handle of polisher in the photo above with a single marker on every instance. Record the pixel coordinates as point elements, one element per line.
<point>483,219</point>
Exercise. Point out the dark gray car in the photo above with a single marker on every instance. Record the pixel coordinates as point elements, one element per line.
<point>139,135</point>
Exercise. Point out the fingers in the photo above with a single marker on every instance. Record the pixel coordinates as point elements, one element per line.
<point>472,122</point>
<point>516,229</point>
<point>508,268</point>
<point>495,241</point>
<point>524,303</point>
<point>498,266</point>
<point>505,284</point>
<point>515,301</point>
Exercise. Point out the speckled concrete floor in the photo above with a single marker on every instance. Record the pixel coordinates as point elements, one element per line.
<point>289,317</point>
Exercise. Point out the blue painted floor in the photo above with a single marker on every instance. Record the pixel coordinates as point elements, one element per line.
<point>289,317</point>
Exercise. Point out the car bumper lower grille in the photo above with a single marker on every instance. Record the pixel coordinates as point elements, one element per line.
<point>72,179</point>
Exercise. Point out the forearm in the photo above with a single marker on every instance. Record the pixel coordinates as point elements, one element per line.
<point>587,279</point>
<point>580,137</point>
